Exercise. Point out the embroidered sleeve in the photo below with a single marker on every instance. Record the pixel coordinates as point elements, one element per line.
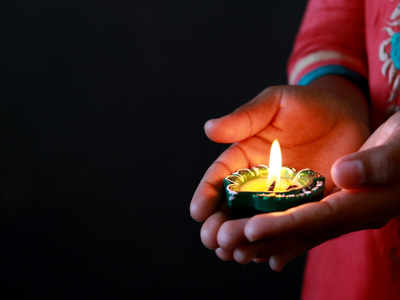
<point>331,40</point>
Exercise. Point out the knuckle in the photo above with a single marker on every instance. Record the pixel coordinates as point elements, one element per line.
<point>276,91</point>
<point>253,228</point>
<point>292,219</point>
<point>330,208</point>
<point>387,166</point>
<point>380,164</point>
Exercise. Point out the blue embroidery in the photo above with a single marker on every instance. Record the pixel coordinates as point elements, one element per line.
<point>356,78</point>
<point>395,53</point>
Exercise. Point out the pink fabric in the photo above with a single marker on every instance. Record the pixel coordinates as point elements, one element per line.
<point>364,264</point>
<point>360,265</point>
<point>335,25</point>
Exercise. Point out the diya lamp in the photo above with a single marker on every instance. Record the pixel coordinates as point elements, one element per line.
<point>263,189</point>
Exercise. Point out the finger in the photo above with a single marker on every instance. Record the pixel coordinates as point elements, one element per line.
<point>339,213</point>
<point>231,234</point>
<point>257,250</point>
<point>288,234</point>
<point>247,120</point>
<point>225,255</point>
<point>374,166</point>
<point>262,250</point>
<point>206,198</point>
<point>209,230</point>
<point>278,262</point>
<point>383,133</point>
<point>271,225</point>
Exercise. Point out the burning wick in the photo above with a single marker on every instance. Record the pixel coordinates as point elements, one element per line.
<point>272,186</point>
<point>275,166</point>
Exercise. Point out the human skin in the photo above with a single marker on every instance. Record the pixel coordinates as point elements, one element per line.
<point>318,127</point>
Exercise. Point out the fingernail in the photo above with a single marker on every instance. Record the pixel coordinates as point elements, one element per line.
<point>218,251</point>
<point>208,124</point>
<point>274,264</point>
<point>241,257</point>
<point>349,173</point>
<point>238,255</point>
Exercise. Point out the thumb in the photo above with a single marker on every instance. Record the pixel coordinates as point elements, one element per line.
<point>374,166</point>
<point>247,120</point>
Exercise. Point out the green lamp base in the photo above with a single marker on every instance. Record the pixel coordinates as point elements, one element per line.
<point>309,187</point>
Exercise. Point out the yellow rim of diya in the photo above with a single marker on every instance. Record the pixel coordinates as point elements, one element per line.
<point>308,187</point>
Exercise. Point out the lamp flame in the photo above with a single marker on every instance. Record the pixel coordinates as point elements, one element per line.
<point>275,164</point>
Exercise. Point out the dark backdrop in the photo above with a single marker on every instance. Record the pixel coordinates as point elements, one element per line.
<point>101,107</point>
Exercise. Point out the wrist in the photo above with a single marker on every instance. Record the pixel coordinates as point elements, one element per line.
<point>348,95</point>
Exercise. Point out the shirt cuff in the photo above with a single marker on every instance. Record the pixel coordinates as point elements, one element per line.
<point>321,63</point>
<point>354,77</point>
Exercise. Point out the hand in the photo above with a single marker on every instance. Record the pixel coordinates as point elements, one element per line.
<point>369,198</point>
<point>315,125</point>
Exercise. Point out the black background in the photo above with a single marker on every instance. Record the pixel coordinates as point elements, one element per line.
<point>102,105</point>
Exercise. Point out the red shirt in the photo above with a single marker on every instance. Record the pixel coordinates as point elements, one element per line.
<point>357,39</point>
